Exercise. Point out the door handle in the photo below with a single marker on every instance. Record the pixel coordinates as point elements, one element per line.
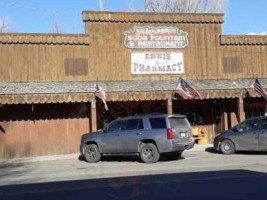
<point>118,134</point>
<point>139,133</point>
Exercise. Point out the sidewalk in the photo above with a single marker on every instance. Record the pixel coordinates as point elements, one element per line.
<point>71,156</point>
<point>198,147</point>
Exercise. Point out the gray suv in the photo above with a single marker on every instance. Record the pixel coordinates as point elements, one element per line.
<point>148,136</point>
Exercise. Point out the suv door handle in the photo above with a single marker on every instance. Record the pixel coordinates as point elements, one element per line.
<point>118,134</point>
<point>139,133</point>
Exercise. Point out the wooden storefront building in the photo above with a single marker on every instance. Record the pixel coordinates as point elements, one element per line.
<point>47,92</point>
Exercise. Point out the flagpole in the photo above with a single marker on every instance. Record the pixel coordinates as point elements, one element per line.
<point>100,5</point>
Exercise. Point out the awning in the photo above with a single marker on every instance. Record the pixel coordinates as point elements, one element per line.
<point>57,92</point>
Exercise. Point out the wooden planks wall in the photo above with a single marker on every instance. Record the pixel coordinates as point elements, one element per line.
<point>39,62</point>
<point>253,60</point>
<point>41,137</point>
<point>109,60</point>
<point>201,57</point>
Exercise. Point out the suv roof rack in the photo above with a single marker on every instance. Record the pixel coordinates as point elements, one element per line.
<point>139,114</point>
<point>157,113</point>
<point>154,113</point>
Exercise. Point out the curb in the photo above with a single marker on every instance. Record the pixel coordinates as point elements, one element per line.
<point>39,159</point>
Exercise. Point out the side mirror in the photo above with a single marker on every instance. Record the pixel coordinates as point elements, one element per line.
<point>105,129</point>
<point>238,129</point>
<point>235,129</point>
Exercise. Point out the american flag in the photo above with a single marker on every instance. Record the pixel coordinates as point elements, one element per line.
<point>187,90</point>
<point>102,94</point>
<point>257,86</point>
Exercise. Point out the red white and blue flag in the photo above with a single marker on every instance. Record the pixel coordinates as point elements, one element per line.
<point>258,88</point>
<point>187,89</point>
<point>101,94</point>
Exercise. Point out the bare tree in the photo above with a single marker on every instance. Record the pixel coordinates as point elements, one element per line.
<point>186,6</point>
<point>56,27</point>
<point>4,25</point>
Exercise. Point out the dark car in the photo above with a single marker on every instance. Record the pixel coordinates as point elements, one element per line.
<point>250,135</point>
<point>145,135</point>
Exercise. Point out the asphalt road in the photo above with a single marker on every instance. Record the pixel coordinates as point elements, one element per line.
<point>197,175</point>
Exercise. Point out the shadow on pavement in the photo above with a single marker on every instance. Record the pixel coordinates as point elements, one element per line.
<point>212,150</point>
<point>128,159</point>
<point>231,184</point>
<point>6,169</point>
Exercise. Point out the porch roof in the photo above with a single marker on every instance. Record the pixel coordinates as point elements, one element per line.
<point>119,90</point>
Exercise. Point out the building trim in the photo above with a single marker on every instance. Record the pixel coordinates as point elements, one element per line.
<point>140,17</point>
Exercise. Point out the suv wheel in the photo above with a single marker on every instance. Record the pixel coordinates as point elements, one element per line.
<point>227,147</point>
<point>91,153</point>
<point>149,153</point>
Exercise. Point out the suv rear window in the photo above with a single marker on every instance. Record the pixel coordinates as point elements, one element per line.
<point>157,123</point>
<point>176,122</point>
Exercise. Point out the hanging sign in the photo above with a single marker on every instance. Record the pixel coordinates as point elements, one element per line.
<point>157,63</point>
<point>149,37</point>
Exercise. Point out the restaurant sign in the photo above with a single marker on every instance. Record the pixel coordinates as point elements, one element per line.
<point>155,37</point>
<point>157,63</point>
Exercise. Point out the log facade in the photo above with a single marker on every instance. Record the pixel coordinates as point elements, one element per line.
<point>47,92</point>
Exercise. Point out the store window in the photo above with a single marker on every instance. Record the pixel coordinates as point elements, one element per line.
<point>194,115</point>
<point>255,107</point>
<point>254,112</point>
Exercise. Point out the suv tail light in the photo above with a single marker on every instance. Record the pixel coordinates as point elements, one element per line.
<point>169,134</point>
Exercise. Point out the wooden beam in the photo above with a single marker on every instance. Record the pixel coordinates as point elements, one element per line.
<point>241,112</point>
<point>224,121</point>
<point>169,106</point>
<point>93,117</point>
<point>224,116</point>
<point>234,120</point>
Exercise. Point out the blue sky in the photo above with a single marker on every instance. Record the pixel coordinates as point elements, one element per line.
<point>242,16</point>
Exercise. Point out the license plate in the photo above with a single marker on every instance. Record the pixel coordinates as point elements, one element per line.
<point>183,134</point>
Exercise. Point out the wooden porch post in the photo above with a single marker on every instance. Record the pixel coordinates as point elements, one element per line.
<point>224,117</point>
<point>93,117</point>
<point>241,112</point>
<point>234,120</point>
<point>169,106</point>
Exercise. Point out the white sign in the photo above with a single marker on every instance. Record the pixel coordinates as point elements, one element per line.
<point>157,63</point>
<point>147,37</point>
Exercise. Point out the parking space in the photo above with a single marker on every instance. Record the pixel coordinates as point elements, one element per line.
<point>72,168</point>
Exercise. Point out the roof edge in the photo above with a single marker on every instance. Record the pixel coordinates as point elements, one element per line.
<point>44,38</point>
<point>243,40</point>
<point>144,17</point>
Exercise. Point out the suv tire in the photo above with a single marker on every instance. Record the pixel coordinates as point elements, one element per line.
<point>91,153</point>
<point>227,147</point>
<point>149,153</point>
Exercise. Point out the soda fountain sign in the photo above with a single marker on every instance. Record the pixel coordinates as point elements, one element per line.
<point>148,37</point>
